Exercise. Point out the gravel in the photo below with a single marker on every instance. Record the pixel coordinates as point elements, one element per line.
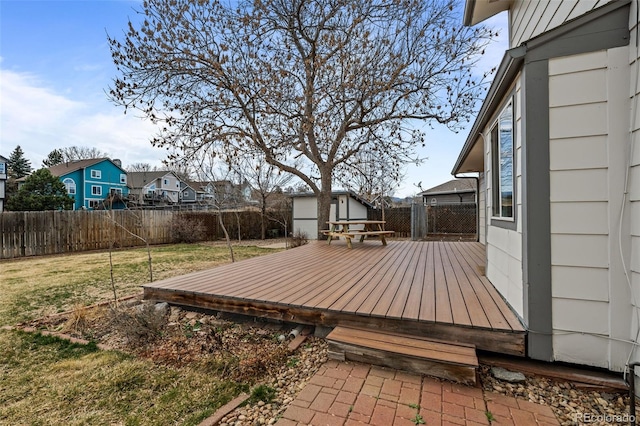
<point>569,403</point>
<point>287,382</point>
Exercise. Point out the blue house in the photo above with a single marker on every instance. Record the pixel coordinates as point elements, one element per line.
<point>3,180</point>
<point>95,184</point>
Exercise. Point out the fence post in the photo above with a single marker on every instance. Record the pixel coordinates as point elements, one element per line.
<point>418,222</point>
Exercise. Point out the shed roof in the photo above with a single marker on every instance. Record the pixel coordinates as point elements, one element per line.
<point>454,186</point>
<point>333,194</point>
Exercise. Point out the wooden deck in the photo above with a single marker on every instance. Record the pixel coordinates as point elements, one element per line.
<point>431,289</point>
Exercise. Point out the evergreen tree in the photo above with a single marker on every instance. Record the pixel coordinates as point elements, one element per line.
<point>40,191</point>
<point>55,157</point>
<point>17,164</point>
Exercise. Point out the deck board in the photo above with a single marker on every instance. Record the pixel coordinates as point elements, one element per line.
<point>416,287</point>
<point>431,287</point>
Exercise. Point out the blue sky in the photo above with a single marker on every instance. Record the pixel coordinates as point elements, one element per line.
<point>55,67</point>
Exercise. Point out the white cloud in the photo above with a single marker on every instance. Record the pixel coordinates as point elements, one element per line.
<point>40,120</point>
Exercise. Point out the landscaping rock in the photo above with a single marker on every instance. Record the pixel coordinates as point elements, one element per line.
<point>506,375</point>
<point>162,308</point>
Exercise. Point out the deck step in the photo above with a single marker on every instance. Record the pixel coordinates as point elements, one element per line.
<point>447,360</point>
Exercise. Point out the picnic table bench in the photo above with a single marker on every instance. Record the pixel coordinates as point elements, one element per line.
<point>371,228</point>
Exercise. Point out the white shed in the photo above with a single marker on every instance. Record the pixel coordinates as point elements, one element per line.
<point>345,205</point>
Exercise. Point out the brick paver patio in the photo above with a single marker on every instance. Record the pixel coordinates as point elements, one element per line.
<point>346,393</point>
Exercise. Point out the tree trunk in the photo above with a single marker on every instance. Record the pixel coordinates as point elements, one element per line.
<point>263,213</point>
<point>226,236</point>
<point>324,202</point>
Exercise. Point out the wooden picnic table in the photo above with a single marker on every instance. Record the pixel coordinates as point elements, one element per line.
<point>370,228</point>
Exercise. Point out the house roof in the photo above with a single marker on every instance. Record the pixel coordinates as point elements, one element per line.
<point>71,166</point>
<point>141,179</point>
<point>471,158</point>
<point>454,186</point>
<point>334,194</point>
<point>3,159</point>
<point>476,11</point>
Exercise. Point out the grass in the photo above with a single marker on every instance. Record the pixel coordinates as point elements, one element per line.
<point>45,380</point>
<point>33,287</point>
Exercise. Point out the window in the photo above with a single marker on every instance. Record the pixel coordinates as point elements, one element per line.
<point>3,170</point>
<point>116,191</point>
<point>96,174</point>
<point>96,190</point>
<point>166,181</point>
<point>70,185</point>
<point>94,204</point>
<point>502,164</point>
<point>123,178</point>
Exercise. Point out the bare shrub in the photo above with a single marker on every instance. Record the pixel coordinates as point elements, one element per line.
<point>78,321</point>
<point>299,238</point>
<point>138,325</point>
<point>187,230</point>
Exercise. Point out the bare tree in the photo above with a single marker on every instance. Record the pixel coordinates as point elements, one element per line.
<point>207,168</point>
<point>316,80</point>
<point>141,167</point>
<point>74,153</point>
<point>374,177</point>
<point>265,179</point>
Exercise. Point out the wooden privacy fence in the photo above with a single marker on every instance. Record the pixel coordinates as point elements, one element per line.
<point>54,232</point>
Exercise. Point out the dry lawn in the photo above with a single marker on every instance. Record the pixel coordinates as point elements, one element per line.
<point>34,287</point>
<point>45,380</point>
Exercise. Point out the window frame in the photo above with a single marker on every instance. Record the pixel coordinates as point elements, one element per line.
<point>96,174</point>
<point>123,178</point>
<point>93,190</point>
<point>70,186</point>
<point>497,178</point>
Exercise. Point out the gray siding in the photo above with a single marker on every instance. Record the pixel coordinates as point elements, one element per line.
<point>528,18</point>
<point>504,246</point>
<point>440,199</point>
<point>482,211</point>
<point>587,131</point>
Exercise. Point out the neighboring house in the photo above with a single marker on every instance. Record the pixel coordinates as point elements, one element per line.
<point>224,193</point>
<point>3,181</point>
<point>187,193</point>
<point>557,147</point>
<point>456,191</point>
<point>345,205</point>
<point>154,188</point>
<point>96,183</point>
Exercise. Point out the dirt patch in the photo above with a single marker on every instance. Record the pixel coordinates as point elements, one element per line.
<point>246,350</point>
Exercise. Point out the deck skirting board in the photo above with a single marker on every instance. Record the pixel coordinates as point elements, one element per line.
<point>492,340</point>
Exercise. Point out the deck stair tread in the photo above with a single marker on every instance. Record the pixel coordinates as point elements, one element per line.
<point>449,360</point>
